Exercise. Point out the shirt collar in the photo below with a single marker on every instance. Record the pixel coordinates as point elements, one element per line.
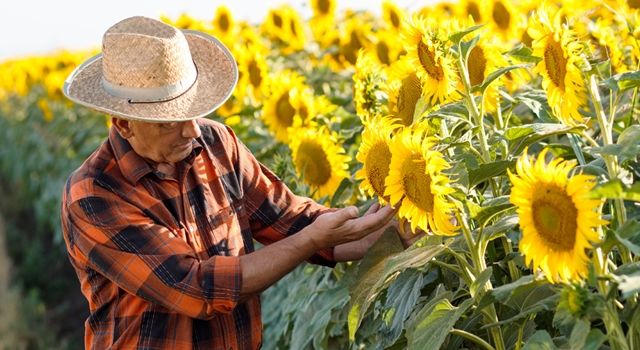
<point>131,164</point>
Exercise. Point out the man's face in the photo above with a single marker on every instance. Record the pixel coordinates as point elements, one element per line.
<point>168,142</point>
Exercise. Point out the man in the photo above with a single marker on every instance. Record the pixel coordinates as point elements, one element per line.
<point>159,221</point>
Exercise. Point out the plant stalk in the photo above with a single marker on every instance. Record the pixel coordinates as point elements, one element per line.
<point>472,337</point>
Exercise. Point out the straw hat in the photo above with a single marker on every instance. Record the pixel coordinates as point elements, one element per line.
<point>151,71</point>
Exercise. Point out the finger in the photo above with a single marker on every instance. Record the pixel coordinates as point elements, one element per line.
<point>374,221</point>
<point>345,214</point>
<point>373,208</point>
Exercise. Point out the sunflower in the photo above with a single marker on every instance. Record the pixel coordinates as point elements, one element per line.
<point>354,37</point>
<point>387,47</point>
<point>323,8</point>
<point>289,102</point>
<point>606,38</point>
<point>557,216</point>
<point>319,159</point>
<point>368,81</point>
<point>185,21</point>
<point>223,23</point>
<point>561,77</point>
<point>404,90</point>
<point>441,10</point>
<point>484,59</point>
<point>296,39</point>
<point>416,183</point>
<point>426,50</point>
<point>470,8</point>
<point>502,18</point>
<point>375,155</point>
<point>252,69</point>
<point>274,26</point>
<point>393,15</point>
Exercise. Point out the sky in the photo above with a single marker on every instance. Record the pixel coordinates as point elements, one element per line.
<point>39,27</point>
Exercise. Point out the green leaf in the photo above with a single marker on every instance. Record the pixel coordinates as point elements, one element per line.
<point>626,148</point>
<point>536,101</point>
<point>500,227</point>
<point>629,235</point>
<point>379,267</point>
<point>430,327</point>
<point>523,53</point>
<point>506,291</point>
<point>539,129</point>
<point>480,281</point>
<point>522,136</point>
<point>457,36</point>
<point>498,73</point>
<point>615,189</point>
<point>623,81</point>
<point>488,170</point>
<point>529,301</point>
<point>467,46</point>
<point>343,193</point>
<point>579,334</point>
<point>491,208</point>
<point>402,296</point>
<point>540,340</point>
<point>456,110</point>
<point>311,323</point>
<point>595,339</point>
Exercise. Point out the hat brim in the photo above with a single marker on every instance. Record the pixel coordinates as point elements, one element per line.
<point>217,77</point>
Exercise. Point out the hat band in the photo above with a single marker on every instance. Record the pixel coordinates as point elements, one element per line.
<point>152,94</point>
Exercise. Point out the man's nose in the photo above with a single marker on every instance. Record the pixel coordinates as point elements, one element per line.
<point>191,129</point>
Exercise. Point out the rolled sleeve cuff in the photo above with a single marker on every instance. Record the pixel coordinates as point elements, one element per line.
<point>225,284</point>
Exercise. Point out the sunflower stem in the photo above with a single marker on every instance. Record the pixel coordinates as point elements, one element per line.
<point>473,109</point>
<point>617,339</point>
<point>479,265</point>
<point>472,337</point>
<point>610,160</point>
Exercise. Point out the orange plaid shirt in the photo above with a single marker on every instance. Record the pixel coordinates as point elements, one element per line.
<point>158,257</point>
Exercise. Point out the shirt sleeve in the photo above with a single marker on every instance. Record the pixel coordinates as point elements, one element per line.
<point>274,211</point>
<point>119,241</point>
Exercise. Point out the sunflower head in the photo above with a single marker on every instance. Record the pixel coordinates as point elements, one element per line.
<point>252,69</point>
<point>375,155</point>
<point>558,218</point>
<point>502,18</point>
<point>355,37</point>
<point>470,8</point>
<point>484,59</point>
<point>289,103</point>
<point>404,90</point>
<point>223,22</point>
<point>283,25</point>
<point>323,8</point>
<point>416,183</point>
<point>561,54</point>
<point>368,81</point>
<point>393,15</point>
<point>319,160</point>
<point>426,43</point>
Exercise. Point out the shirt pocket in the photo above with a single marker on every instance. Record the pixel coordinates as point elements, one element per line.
<point>223,232</point>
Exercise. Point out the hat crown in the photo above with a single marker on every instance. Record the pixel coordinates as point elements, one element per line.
<point>140,52</point>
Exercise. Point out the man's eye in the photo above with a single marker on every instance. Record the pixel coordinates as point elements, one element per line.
<point>171,125</point>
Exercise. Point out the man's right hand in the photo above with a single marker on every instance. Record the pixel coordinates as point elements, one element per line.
<point>344,225</point>
<point>264,267</point>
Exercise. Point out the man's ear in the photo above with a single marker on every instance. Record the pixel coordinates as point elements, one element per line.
<point>123,127</point>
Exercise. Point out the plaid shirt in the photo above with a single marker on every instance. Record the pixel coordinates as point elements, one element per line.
<point>158,258</point>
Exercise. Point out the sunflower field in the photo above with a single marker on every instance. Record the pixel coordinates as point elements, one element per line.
<point>505,133</point>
